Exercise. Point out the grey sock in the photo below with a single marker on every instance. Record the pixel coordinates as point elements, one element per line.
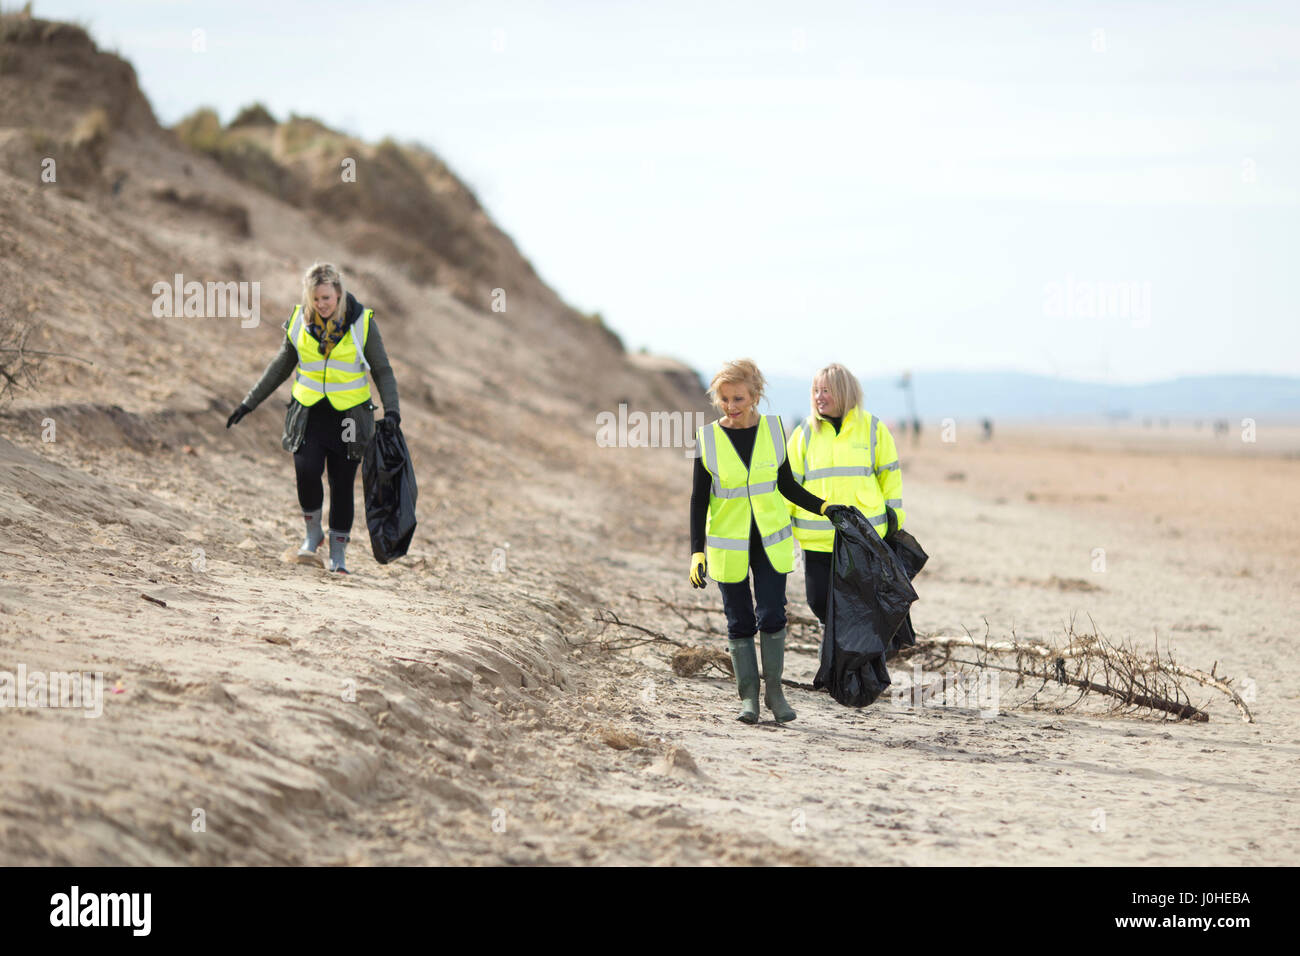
<point>338,548</point>
<point>315,534</point>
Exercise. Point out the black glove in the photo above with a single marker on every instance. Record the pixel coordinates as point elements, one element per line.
<point>237,414</point>
<point>893,523</point>
<point>393,417</point>
<point>837,512</point>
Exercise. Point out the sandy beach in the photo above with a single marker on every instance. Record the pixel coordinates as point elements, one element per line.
<point>480,734</point>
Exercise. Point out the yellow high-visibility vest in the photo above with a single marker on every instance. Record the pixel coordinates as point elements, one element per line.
<point>858,467</point>
<point>342,377</point>
<point>741,494</point>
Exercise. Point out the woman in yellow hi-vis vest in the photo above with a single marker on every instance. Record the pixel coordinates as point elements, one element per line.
<point>846,455</point>
<point>331,340</point>
<point>740,524</point>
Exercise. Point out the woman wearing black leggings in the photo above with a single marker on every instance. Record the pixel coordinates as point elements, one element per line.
<point>330,342</point>
<point>323,450</point>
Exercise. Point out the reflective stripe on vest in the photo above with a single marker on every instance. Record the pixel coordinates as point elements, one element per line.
<point>802,474</point>
<point>341,377</point>
<point>741,496</point>
<point>871,459</point>
<point>814,524</point>
<point>846,471</point>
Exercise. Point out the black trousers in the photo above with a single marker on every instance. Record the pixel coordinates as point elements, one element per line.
<point>322,449</point>
<point>764,608</point>
<point>817,581</point>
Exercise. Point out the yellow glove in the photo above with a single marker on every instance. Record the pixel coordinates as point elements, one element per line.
<point>825,505</point>
<point>697,570</point>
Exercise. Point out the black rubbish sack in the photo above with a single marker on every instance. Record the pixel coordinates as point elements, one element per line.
<point>912,557</point>
<point>869,597</point>
<point>388,480</point>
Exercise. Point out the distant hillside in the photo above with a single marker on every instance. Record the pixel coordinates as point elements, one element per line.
<point>1013,395</point>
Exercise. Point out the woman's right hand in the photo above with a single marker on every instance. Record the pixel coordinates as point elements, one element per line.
<point>697,570</point>
<point>237,414</point>
<point>836,512</point>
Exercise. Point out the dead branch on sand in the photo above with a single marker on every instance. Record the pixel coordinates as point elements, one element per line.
<point>687,661</point>
<point>700,617</point>
<point>18,369</point>
<point>1133,681</point>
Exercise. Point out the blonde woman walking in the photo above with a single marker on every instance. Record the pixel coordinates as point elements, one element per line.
<point>331,340</point>
<point>740,525</point>
<point>847,455</point>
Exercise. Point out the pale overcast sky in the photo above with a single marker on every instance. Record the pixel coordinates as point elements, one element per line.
<point>921,185</point>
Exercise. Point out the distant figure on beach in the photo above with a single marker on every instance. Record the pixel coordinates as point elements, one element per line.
<point>332,340</point>
<point>740,525</point>
<point>847,455</point>
<point>987,423</point>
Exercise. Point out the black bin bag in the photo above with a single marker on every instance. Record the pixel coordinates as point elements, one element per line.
<point>910,554</point>
<point>388,481</point>
<point>869,597</point>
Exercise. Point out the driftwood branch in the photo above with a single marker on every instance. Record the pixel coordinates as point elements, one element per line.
<point>606,618</point>
<point>802,620</point>
<point>705,615</point>
<point>687,661</point>
<point>1084,661</point>
<point>22,351</point>
<point>1120,672</point>
<point>1147,701</point>
<point>18,368</point>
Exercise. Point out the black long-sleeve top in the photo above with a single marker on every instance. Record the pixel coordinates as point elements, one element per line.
<point>743,440</point>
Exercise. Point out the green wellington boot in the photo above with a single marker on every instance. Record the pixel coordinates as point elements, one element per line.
<point>773,666</point>
<point>745,663</point>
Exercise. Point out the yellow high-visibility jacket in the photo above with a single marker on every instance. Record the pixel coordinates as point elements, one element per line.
<point>858,467</point>
<point>342,377</point>
<point>737,494</point>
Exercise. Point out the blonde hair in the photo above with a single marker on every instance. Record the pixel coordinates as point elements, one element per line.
<point>321,273</point>
<point>737,372</point>
<point>843,385</point>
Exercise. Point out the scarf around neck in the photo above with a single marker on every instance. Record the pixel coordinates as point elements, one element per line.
<point>329,331</point>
